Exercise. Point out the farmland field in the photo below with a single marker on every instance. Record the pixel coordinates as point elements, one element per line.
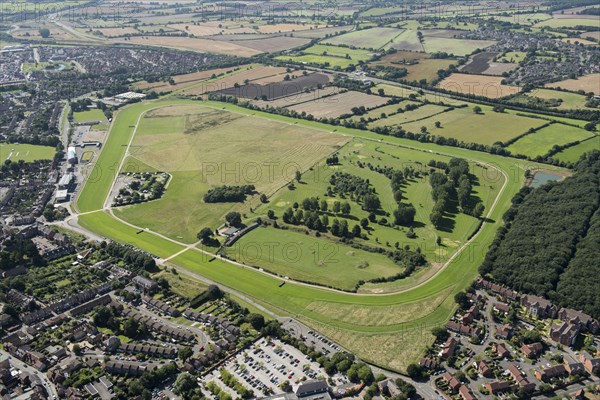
<point>572,154</point>
<point>339,104</point>
<point>542,141</point>
<point>458,47</point>
<point>373,38</point>
<point>353,54</point>
<point>389,338</point>
<point>407,41</point>
<point>193,44</point>
<point>328,61</point>
<point>25,152</point>
<point>464,125</point>
<point>420,113</point>
<point>588,83</point>
<point>569,22</point>
<point>569,100</point>
<point>479,85</point>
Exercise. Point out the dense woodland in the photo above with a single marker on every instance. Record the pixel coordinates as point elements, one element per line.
<point>548,244</point>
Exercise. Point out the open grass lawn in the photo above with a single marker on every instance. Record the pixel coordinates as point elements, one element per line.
<point>373,38</point>
<point>188,142</point>
<point>458,47</point>
<point>573,153</point>
<point>25,152</point>
<point>308,258</point>
<point>394,342</point>
<point>542,141</point>
<point>90,115</point>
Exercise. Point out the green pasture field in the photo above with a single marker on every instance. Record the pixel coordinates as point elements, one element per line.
<point>406,40</point>
<point>422,112</point>
<point>335,51</point>
<point>311,259</point>
<point>26,152</point>
<point>569,100</point>
<point>569,22</point>
<point>542,141</point>
<point>390,330</point>
<point>458,47</point>
<point>573,153</point>
<point>187,142</point>
<point>90,115</point>
<point>329,61</point>
<point>487,128</point>
<point>388,109</point>
<point>373,38</point>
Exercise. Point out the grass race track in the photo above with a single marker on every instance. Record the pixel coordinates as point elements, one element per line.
<point>391,330</point>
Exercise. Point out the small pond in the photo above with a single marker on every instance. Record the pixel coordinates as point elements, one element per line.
<point>542,177</point>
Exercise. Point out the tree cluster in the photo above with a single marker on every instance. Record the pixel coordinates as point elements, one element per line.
<point>550,239</point>
<point>226,194</point>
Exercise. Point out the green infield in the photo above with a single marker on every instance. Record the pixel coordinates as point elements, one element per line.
<point>25,152</point>
<point>541,142</point>
<point>307,258</point>
<point>187,142</point>
<point>391,330</point>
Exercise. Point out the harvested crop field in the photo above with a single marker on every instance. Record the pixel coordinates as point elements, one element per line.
<point>239,77</point>
<point>280,28</point>
<point>203,30</point>
<point>591,35</point>
<point>588,83</point>
<point>458,47</point>
<point>193,44</point>
<point>182,81</point>
<point>479,62</point>
<point>317,95</point>
<point>322,32</point>
<point>407,41</point>
<point>444,33</point>
<point>273,44</point>
<point>115,32</point>
<point>479,85</point>
<point>279,89</point>
<point>339,104</point>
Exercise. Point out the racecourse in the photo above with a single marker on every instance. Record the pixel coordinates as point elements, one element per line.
<point>390,329</point>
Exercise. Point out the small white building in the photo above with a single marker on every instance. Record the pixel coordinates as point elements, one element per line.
<point>72,155</point>
<point>62,195</point>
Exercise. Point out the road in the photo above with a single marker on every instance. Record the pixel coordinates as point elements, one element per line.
<point>49,386</point>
